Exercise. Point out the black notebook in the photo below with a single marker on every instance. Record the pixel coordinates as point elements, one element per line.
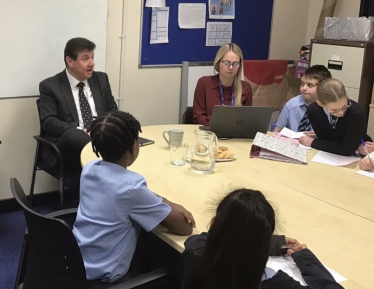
<point>144,142</point>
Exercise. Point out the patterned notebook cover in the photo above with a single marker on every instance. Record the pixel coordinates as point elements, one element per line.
<point>278,146</point>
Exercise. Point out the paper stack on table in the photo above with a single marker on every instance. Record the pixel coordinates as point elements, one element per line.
<point>287,265</point>
<point>333,159</point>
<point>369,174</point>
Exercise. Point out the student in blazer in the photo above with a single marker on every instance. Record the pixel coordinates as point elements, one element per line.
<point>62,112</point>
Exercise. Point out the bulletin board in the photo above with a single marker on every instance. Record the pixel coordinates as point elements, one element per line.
<point>251,31</point>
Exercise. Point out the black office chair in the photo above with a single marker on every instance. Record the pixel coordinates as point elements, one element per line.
<point>51,257</point>
<point>187,117</point>
<point>57,172</point>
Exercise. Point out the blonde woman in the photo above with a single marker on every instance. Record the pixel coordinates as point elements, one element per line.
<point>338,122</point>
<point>223,88</point>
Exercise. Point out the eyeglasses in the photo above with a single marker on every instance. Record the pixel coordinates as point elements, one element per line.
<point>343,109</point>
<point>308,84</point>
<point>228,63</point>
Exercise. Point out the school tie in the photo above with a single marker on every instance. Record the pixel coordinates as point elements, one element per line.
<point>333,121</point>
<point>304,124</point>
<point>85,107</point>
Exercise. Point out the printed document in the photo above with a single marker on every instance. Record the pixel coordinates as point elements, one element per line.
<point>221,9</point>
<point>369,174</point>
<point>218,33</point>
<point>287,265</point>
<point>191,16</point>
<point>155,3</point>
<point>290,133</point>
<point>333,159</point>
<point>160,25</point>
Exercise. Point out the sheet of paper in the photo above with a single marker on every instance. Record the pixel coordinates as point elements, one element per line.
<point>218,33</point>
<point>160,25</point>
<point>290,133</point>
<point>155,3</point>
<point>334,160</point>
<point>191,16</point>
<point>221,9</point>
<point>369,174</point>
<point>287,265</point>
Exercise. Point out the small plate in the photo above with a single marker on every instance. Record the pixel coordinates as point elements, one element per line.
<point>225,160</point>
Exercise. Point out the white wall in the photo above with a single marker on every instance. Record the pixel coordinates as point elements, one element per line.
<point>288,29</point>
<point>151,94</point>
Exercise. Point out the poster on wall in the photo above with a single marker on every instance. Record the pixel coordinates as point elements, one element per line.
<point>218,33</point>
<point>221,9</point>
<point>160,25</point>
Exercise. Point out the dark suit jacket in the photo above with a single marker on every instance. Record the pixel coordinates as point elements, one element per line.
<point>57,107</point>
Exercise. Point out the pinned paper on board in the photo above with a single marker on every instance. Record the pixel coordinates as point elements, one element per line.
<point>155,3</point>
<point>191,16</point>
<point>218,33</point>
<point>221,9</point>
<point>160,25</point>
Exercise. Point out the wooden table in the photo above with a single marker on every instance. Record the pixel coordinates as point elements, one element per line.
<point>328,208</point>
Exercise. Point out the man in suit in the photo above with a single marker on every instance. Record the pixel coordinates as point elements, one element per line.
<point>69,101</point>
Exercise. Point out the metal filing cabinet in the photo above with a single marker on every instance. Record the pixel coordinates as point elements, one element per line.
<point>350,62</point>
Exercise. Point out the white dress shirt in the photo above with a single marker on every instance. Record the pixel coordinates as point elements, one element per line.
<point>87,92</point>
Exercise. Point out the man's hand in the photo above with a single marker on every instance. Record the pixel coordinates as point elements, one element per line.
<point>306,141</point>
<point>86,131</point>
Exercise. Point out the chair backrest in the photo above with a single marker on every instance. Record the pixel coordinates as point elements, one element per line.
<point>54,259</point>
<point>38,107</point>
<point>187,117</point>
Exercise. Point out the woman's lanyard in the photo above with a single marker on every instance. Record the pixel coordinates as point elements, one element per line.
<point>221,91</point>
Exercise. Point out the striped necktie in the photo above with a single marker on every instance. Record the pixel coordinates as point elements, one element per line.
<point>304,124</point>
<point>85,107</point>
<point>333,121</point>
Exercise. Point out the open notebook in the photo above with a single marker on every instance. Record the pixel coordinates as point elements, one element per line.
<point>277,149</point>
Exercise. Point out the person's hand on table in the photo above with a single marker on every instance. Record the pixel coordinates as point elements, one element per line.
<point>186,214</point>
<point>310,134</point>
<point>297,248</point>
<point>369,146</point>
<point>291,242</point>
<point>366,165</point>
<point>306,141</point>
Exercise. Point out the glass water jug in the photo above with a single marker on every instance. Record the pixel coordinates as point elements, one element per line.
<point>202,158</point>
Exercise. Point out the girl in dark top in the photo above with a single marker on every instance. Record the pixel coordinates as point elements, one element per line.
<point>338,122</point>
<point>235,251</point>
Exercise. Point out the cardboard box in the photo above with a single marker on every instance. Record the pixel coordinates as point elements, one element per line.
<point>272,82</point>
<point>301,66</point>
<point>370,130</point>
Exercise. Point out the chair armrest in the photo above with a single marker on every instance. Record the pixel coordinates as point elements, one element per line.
<point>62,213</point>
<point>44,141</point>
<point>141,280</point>
<point>67,215</point>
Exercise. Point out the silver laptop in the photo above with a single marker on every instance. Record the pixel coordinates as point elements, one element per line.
<point>239,121</point>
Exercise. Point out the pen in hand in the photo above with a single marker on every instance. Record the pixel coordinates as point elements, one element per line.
<point>366,151</point>
<point>288,246</point>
